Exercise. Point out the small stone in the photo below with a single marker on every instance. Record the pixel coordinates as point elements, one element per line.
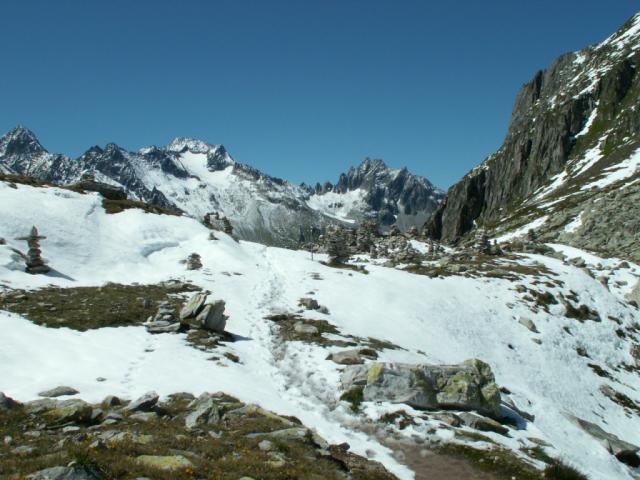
<point>23,450</point>
<point>101,379</point>
<point>528,323</point>
<point>309,303</point>
<point>58,392</point>
<point>305,329</point>
<point>71,429</point>
<point>8,440</point>
<point>265,446</point>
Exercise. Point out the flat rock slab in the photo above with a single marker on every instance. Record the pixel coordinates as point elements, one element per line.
<point>58,392</point>
<point>76,472</point>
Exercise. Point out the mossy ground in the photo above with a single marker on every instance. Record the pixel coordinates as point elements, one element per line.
<point>85,308</point>
<point>501,463</point>
<point>225,450</point>
<point>346,266</point>
<point>117,206</point>
<point>286,330</point>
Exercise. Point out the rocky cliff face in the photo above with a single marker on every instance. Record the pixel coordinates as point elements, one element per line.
<point>198,178</point>
<point>573,135</point>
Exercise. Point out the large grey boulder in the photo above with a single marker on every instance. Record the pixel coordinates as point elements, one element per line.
<point>205,411</point>
<point>73,410</point>
<point>76,472</point>
<point>467,386</point>
<point>212,317</point>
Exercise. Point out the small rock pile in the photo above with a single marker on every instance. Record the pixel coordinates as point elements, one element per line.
<point>312,304</point>
<point>217,221</point>
<point>197,313</point>
<point>164,321</point>
<point>194,262</point>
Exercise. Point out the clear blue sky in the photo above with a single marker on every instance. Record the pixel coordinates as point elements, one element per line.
<point>300,89</point>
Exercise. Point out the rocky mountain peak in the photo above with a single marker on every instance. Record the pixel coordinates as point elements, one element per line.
<point>21,141</point>
<point>193,145</point>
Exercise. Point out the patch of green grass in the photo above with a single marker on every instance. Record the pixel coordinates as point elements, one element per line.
<point>85,308</point>
<point>117,206</point>
<point>561,471</point>
<point>501,463</point>
<point>231,453</point>
<point>355,397</point>
<point>346,266</point>
<point>399,417</point>
<point>581,313</point>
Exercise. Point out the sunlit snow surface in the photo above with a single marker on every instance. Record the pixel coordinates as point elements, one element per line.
<point>448,319</point>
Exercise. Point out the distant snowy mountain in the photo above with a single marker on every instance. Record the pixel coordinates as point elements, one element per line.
<point>199,178</point>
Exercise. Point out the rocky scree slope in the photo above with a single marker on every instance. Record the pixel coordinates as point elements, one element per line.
<point>198,178</point>
<point>572,149</point>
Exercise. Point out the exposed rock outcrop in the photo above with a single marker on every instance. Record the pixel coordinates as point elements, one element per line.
<point>467,386</point>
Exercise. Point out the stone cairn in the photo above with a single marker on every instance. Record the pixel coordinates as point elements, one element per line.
<point>217,221</point>
<point>34,261</point>
<point>336,243</point>
<point>194,262</point>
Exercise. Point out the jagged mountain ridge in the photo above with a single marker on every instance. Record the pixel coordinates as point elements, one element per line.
<point>197,178</point>
<point>572,140</point>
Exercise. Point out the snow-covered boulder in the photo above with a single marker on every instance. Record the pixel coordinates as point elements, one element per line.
<point>467,386</point>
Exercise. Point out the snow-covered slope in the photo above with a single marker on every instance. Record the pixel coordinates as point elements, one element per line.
<point>438,320</point>
<point>199,178</point>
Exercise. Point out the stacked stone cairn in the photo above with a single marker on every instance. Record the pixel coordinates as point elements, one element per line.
<point>194,262</point>
<point>164,321</point>
<point>33,259</point>
<point>195,313</point>
<point>217,221</point>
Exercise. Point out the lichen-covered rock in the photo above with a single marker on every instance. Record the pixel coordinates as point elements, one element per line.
<point>165,462</point>
<point>467,386</point>
<point>205,411</point>
<point>73,410</point>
